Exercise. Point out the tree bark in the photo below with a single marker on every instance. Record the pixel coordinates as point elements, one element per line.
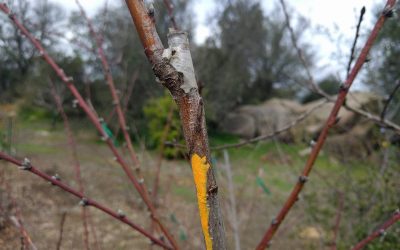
<point>173,67</point>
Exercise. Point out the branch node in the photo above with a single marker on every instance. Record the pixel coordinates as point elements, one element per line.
<point>382,232</point>
<point>121,214</point>
<point>151,11</point>
<point>213,189</point>
<point>69,79</point>
<point>303,179</point>
<point>274,222</point>
<point>84,202</point>
<point>388,12</point>
<point>26,164</point>
<point>343,87</point>
<point>75,103</point>
<point>55,177</point>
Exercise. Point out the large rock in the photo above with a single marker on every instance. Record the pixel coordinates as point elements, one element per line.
<point>253,120</point>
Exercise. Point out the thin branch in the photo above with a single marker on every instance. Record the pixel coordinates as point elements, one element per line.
<point>353,48</point>
<point>164,135</point>
<point>18,221</point>
<point>127,97</point>
<point>60,234</point>
<point>337,220</point>
<point>173,67</point>
<point>74,154</point>
<point>380,232</point>
<point>391,96</point>
<point>313,86</point>
<point>331,121</point>
<point>232,200</point>
<point>170,9</point>
<point>85,201</point>
<point>138,184</point>
<point>299,119</point>
<point>122,122</point>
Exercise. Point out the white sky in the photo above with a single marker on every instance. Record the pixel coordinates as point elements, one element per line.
<point>339,17</point>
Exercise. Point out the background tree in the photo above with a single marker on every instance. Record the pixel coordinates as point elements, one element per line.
<point>249,60</point>
<point>45,20</point>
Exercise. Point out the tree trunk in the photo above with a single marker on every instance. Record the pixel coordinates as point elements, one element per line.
<point>173,67</point>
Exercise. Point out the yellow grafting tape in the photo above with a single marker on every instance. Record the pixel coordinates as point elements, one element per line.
<point>200,168</point>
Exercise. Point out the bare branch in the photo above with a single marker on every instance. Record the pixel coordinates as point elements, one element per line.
<point>85,201</point>
<point>139,185</point>
<point>331,121</point>
<point>170,10</point>
<point>391,96</point>
<point>313,86</point>
<point>380,232</point>
<point>353,48</point>
<point>60,234</point>
<point>77,165</point>
<point>299,119</point>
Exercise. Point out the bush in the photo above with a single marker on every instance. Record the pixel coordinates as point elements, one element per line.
<point>156,113</point>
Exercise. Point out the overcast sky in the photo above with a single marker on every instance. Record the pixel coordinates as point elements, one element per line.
<point>339,17</point>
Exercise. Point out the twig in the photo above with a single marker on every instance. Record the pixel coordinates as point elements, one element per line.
<point>164,135</point>
<point>391,96</point>
<point>127,97</point>
<point>353,48</point>
<point>85,201</point>
<point>18,221</point>
<point>274,133</point>
<point>331,121</point>
<point>139,185</point>
<point>170,10</point>
<point>122,120</point>
<point>233,212</point>
<point>74,154</point>
<point>313,86</point>
<point>380,232</point>
<point>337,220</point>
<point>173,67</point>
<point>60,234</point>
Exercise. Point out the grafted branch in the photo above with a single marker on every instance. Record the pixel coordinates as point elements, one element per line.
<point>331,121</point>
<point>173,67</point>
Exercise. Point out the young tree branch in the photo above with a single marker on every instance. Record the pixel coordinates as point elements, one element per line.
<point>331,121</point>
<point>138,184</point>
<point>353,48</point>
<point>380,232</point>
<point>173,67</point>
<point>27,166</point>
<point>77,165</point>
<point>313,86</point>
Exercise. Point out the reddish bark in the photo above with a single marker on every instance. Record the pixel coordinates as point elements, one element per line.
<point>84,200</point>
<point>293,197</point>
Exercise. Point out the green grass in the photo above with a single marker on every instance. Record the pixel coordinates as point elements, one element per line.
<point>32,148</point>
<point>185,192</point>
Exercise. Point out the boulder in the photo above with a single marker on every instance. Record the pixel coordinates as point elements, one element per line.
<point>254,120</point>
